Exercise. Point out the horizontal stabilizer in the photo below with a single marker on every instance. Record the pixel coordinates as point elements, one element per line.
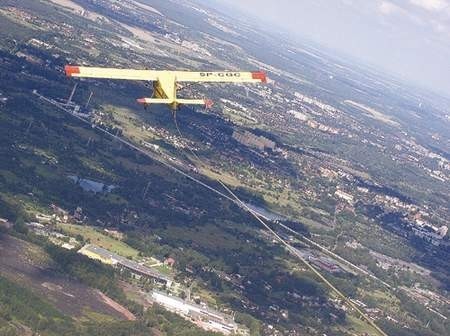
<point>208,103</point>
<point>146,101</point>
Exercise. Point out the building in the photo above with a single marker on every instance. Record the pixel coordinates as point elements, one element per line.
<point>114,233</point>
<point>249,139</point>
<point>78,214</point>
<point>2,98</point>
<point>345,196</point>
<point>124,264</point>
<point>325,264</point>
<point>169,262</point>
<point>98,253</point>
<point>43,218</point>
<point>442,231</point>
<point>431,233</point>
<point>4,223</point>
<point>203,316</point>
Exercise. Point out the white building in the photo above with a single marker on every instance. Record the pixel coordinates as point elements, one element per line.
<point>345,196</point>
<point>203,316</point>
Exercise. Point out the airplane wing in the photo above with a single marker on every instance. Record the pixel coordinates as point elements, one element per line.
<point>111,73</point>
<point>178,76</point>
<point>222,76</point>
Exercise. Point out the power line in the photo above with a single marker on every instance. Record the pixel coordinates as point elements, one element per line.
<point>290,248</point>
<point>235,199</point>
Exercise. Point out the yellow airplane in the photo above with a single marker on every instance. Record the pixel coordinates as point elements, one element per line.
<point>165,82</point>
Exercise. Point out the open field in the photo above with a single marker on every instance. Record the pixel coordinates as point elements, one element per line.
<point>99,239</point>
<point>77,9</point>
<point>28,265</point>
<point>360,328</point>
<point>373,113</point>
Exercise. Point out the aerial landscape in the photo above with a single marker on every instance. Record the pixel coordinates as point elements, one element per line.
<point>313,201</point>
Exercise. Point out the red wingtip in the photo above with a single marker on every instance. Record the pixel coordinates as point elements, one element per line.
<point>208,103</point>
<point>71,69</point>
<point>142,100</point>
<point>261,75</point>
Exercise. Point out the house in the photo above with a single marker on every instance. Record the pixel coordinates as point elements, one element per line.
<point>114,233</point>
<point>4,223</point>
<point>169,262</point>
<point>345,196</point>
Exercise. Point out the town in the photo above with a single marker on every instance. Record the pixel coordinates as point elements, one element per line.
<point>151,211</point>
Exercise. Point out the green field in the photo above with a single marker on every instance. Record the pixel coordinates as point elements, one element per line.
<point>97,238</point>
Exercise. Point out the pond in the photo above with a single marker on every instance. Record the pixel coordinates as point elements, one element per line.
<point>265,213</point>
<point>90,185</point>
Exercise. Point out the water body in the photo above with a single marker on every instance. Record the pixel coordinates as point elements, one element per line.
<point>90,185</point>
<point>266,213</point>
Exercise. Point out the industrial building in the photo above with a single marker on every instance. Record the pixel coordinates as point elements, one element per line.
<point>201,315</point>
<point>124,264</point>
<point>326,264</point>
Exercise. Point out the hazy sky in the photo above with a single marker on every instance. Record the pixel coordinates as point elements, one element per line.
<point>410,38</point>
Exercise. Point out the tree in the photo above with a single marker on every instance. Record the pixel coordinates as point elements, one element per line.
<point>20,226</point>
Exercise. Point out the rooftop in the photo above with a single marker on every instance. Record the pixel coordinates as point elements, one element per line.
<point>117,259</point>
<point>188,308</point>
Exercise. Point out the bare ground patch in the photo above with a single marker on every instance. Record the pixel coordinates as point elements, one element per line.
<point>116,306</point>
<point>377,115</point>
<point>77,9</point>
<point>29,266</point>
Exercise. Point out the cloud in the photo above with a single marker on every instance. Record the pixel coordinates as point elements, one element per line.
<point>388,8</point>
<point>424,14</point>
<point>441,30</point>
<point>406,37</point>
<point>439,27</point>
<point>431,5</point>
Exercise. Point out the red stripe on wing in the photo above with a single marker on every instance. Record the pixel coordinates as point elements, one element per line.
<point>71,69</point>
<point>261,75</point>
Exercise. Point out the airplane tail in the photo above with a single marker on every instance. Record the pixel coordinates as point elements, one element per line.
<point>208,103</point>
<point>147,101</point>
